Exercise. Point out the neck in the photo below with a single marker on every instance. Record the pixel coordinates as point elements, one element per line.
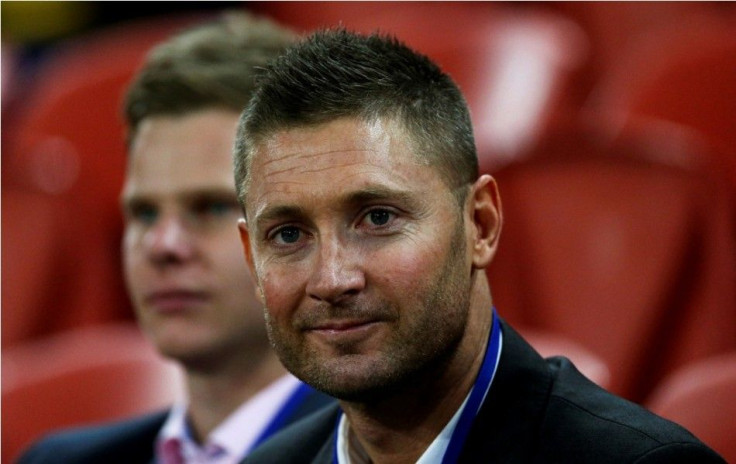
<point>214,394</point>
<point>398,429</point>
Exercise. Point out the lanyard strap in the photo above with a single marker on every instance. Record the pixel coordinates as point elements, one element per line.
<point>475,401</point>
<point>477,394</point>
<point>284,414</point>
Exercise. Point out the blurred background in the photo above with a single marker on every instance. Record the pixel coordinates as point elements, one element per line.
<point>609,127</point>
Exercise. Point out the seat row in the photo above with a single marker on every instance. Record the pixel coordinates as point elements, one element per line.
<point>109,372</point>
<point>619,224</point>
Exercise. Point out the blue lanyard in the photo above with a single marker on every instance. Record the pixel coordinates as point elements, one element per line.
<point>283,415</point>
<point>477,394</point>
<point>475,401</point>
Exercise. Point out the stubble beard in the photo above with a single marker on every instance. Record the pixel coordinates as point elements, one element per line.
<point>414,352</point>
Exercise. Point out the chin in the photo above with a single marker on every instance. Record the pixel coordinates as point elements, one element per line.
<point>177,352</point>
<point>180,346</point>
<point>346,379</point>
<point>361,394</point>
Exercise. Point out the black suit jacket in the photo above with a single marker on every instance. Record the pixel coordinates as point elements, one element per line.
<point>537,411</point>
<point>128,442</point>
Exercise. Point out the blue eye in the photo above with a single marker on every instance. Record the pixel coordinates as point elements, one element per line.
<point>218,208</point>
<point>379,217</point>
<point>288,235</point>
<point>213,207</point>
<point>144,213</point>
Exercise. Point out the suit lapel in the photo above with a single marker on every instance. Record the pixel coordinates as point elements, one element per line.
<point>325,454</point>
<point>506,428</point>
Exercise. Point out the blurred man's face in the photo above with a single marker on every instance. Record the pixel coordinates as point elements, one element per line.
<point>184,267</point>
<point>361,254</point>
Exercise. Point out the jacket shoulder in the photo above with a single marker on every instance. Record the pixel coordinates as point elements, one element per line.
<point>313,400</point>
<point>305,441</point>
<point>126,441</point>
<point>586,421</point>
<point>545,411</point>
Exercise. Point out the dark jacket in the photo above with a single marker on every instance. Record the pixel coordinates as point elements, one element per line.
<point>128,442</point>
<point>537,411</point>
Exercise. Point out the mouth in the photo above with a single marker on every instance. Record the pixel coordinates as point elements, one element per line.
<point>175,301</point>
<point>345,331</point>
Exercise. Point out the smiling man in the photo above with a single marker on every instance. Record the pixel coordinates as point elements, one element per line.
<point>369,229</point>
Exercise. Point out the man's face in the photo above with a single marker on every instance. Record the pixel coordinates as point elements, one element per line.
<point>361,254</point>
<point>183,261</point>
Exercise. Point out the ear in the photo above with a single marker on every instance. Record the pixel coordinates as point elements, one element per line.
<point>487,219</point>
<point>248,252</point>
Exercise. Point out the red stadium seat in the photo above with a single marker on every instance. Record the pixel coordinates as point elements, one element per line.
<point>67,154</point>
<point>82,376</point>
<point>549,344</point>
<point>685,76</point>
<point>38,270</point>
<point>513,67</point>
<point>702,397</point>
<point>632,257</point>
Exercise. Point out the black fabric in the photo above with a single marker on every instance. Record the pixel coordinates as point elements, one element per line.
<point>537,411</point>
<point>127,442</point>
<point>130,441</point>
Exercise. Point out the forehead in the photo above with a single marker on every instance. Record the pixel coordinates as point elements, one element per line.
<point>182,152</point>
<point>334,159</point>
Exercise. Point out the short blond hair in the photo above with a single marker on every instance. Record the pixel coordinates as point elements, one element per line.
<point>209,65</point>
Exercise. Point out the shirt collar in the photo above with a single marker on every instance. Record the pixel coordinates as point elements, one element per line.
<point>432,455</point>
<point>234,437</point>
<point>435,452</point>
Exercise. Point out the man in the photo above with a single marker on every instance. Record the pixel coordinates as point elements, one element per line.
<point>183,261</point>
<point>368,230</point>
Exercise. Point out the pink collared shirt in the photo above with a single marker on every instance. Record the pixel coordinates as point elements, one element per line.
<point>230,441</point>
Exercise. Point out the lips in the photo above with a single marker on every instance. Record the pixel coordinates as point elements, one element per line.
<point>345,326</point>
<point>175,300</point>
<point>346,333</point>
<point>341,325</point>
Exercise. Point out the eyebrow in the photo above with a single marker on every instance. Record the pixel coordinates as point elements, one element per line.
<point>373,193</point>
<point>278,212</point>
<point>127,201</point>
<point>356,198</point>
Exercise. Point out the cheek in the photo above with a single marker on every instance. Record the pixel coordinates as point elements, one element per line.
<point>283,291</point>
<point>226,261</point>
<point>229,260</point>
<point>406,269</point>
<point>133,260</point>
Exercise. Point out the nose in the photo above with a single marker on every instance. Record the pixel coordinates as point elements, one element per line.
<point>337,274</point>
<point>169,242</point>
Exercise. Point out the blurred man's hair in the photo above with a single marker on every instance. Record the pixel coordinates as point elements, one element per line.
<point>212,65</point>
<point>336,73</point>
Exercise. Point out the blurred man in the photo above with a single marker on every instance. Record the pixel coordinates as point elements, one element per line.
<point>183,262</point>
<point>369,229</point>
